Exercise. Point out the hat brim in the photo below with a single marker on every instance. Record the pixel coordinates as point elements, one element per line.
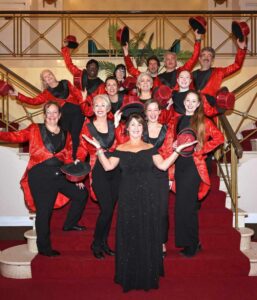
<point>186,135</point>
<point>132,108</point>
<point>72,45</point>
<point>237,31</point>
<point>195,24</point>
<point>124,38</point>
<point>76,173</point>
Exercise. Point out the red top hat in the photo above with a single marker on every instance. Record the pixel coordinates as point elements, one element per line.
<point>186,135</point>
<point>240,30</point>
<point>76,172</point>
<point>5,88</point>
<point>122,35</point>
<point>72,41</point>
<point>131,105</point>
<point>225,99</point>
<point>162,94</point>
<point>198,23</point>
<point>129,83</point>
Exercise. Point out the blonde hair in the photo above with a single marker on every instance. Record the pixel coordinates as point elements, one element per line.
<point>105,98</point>
<point>44,86</point>
<point>141,75</point>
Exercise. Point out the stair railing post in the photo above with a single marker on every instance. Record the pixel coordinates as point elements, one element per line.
<point>234,162</point>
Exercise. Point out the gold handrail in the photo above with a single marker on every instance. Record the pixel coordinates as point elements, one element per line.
<point>40,34</point>
<point>26,113</point>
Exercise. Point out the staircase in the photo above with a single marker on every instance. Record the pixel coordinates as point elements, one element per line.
<point>221,247</point>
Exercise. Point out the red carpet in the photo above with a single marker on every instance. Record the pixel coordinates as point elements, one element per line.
<point>219,271</point>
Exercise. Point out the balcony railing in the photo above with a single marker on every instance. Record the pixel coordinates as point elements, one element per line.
<point>34,34</point>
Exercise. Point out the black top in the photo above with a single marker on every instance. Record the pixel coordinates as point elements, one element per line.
<point>201,78</point>
<point>61,90</point>
<point>184,122</point>
<point>178,101</point>
<point>169,78</point>
<point>117,105</point>
<point>105,139</point>
<point>156,142</point>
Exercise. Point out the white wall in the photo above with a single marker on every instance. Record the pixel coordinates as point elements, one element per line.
<point>13,211</point>
<point>247,185</point>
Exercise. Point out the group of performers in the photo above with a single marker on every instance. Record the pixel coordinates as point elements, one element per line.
<point>132,143</point>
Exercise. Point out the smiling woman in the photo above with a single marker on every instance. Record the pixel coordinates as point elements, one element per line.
<point>103,187</point>
<point>50,148</point>
<point>139,260</point>
<point>70,99</point>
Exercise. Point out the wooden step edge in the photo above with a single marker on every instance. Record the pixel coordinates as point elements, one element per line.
<point>15,262</point>
<point>252,256</point>
<point>245,231</point>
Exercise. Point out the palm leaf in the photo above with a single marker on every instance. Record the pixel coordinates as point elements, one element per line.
<point>112,36</point>
<point>107,66</point>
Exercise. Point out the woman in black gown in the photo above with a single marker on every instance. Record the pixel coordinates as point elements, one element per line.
<point>161,137</point>
<point>139,262</point>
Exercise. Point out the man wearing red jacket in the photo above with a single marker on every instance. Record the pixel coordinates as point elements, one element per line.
<point>87,78</point>
<point>169,77</point>
<point>208,79</point>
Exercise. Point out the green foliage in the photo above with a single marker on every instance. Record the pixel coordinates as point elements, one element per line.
<point>140,55</point>
<point>107,66</point>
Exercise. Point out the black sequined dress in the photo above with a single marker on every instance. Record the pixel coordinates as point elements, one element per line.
<point>139,262</point>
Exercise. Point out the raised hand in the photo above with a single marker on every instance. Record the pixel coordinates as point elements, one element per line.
<point>182,146</point>
<point>13,93</point>
<point>117,117</point>
<point>243,44</point>
<point>93,141</point>
<point>197,35</point>
<point>125,49</point>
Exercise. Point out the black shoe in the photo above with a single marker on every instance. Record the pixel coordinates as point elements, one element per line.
<point>49,253</point>
<point>108,251</point>
<point>190,252</point>
<point>97,253</point>
<point>75,228</point>
<point>164,254</point>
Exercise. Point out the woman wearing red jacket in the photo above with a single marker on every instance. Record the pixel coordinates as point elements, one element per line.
<point>70,99</point>
<point>192,181</point>
<point>43,184</point>
<point>103,186</point>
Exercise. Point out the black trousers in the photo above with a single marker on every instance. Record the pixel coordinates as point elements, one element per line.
<point>45,182</point>
<point>106,187</point>
<point>72,120</point>
<point>186,205</point>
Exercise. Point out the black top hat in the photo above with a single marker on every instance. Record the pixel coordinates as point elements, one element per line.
<point>71,41</point>
<point>76,172</point>
<point>122,35</point>
<point>240,30</point>
<point>198,23</point>
<point>186,135</point>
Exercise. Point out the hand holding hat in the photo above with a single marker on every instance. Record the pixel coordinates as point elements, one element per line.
<point>198,23</point>
<point>122,35</point>
<point>5,88</point>
<point>76,172</point>
<point>240,30</point>
<point>71,42</point>
<point>186,141</point>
